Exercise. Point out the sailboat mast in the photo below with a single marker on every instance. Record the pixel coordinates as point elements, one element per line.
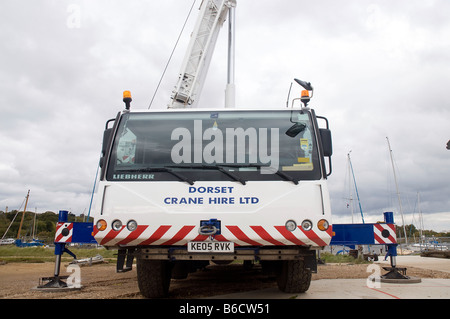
<point>34,222</point>
<point>398,193</point>
<point>350,193</point>
<point>356,187</point>
<point>23,214</point>
<point>420,220</point>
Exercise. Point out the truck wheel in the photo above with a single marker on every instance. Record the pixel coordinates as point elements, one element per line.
<point>180,269</point>
<point>294,277</point>
<point>153,277</point>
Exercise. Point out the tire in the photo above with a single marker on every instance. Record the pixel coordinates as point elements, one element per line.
<point>294,277</point>
<point>153,277</point>
<point>180,270</point>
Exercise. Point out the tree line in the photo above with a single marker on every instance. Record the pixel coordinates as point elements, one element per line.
<point>412,231</point>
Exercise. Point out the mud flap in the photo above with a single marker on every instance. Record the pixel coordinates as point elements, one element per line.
<point>122,255</point>
<point>311,261</point>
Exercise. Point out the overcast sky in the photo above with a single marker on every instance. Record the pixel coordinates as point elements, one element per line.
<point>379,68</point>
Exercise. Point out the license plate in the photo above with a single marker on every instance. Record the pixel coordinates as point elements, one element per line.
<point>210,247</point>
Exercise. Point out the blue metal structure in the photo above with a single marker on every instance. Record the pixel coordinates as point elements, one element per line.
<point>365,234</point>
<point>353,234</point>
<point>374,234</point>
<point>67,232</point>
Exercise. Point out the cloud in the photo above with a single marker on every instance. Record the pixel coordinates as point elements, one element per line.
<point>378,68</point>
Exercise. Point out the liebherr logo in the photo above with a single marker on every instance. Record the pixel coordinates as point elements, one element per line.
<point>231,146</point>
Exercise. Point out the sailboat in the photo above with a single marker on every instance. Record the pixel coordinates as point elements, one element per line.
<point>425,244</point>
<point>398,192</point>
<point>350,171</point>
<point>352,181</point>
<point>428,244</point>
<point>18,240</point>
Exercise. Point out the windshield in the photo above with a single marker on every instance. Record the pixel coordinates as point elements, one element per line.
<point>215,146</point>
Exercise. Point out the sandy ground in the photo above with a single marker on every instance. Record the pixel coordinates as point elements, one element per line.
<point>102,282</point>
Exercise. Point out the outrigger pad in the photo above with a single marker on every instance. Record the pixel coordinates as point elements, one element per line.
<point>54,284</point>
<point>398,276</point>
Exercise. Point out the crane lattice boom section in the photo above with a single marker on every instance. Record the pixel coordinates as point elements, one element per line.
<point>198,56</point>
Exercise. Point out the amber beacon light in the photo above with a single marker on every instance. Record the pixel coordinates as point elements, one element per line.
<point>127,99</point>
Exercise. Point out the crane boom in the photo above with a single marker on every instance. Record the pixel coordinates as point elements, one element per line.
<point>200,50</point>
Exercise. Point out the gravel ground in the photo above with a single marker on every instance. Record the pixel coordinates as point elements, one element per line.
<point>102,282</point>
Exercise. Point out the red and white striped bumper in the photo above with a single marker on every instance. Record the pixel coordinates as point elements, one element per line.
<point>167,235</point>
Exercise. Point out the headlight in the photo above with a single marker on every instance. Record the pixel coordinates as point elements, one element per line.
<point>323,224</point>
<point>291,225</point>
<point>132,225</point>
<point>116,225</point>
<point>101,225</point>
<point>307,224</point>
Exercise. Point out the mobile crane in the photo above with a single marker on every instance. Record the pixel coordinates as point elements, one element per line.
<point>184,187</point>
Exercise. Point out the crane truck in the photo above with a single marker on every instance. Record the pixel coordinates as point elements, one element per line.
<point>184,187</point>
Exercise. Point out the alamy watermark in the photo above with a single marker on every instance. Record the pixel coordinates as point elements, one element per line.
<point>231,146</point>
<point>374,279</point>
<point>73,20</point>
<point>74,280</point>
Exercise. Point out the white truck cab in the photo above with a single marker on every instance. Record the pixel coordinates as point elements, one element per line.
<point>181,188</point>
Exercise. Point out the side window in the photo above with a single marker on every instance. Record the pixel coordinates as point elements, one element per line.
<point>126,148</point>
<point>298,152</point>
<point>306,145</point>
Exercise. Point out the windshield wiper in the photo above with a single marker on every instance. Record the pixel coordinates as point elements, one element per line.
<point>160,169</point>
<point>219,167</point>
<point>279,173</point>
<point>287,177</point>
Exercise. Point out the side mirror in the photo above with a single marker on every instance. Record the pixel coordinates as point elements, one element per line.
<point>325,136</point>
<point>106,139</point>
<point>305,85</point>
<point>295,129</point>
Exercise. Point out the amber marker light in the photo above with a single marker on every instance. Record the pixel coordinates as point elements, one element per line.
<point>101,225</point>
<point>323,224</point>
